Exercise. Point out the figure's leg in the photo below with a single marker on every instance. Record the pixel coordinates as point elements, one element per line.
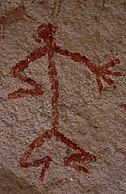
<point>38,142</point>
<point>80,157</point>
<point>100,86</point>
<point>80,168</point>
<point>105,79</point>
<point>76,166</point>
<point>17,72</point>
<point>46,161</point>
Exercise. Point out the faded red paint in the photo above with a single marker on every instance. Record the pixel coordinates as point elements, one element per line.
<point>14,16</point>
<point>122,105</point>
<point>46,32</point>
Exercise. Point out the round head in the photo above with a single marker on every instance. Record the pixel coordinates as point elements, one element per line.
<point>46,31</point>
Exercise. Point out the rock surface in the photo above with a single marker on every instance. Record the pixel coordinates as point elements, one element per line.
<point>96,122</point>
<point>11,184</point>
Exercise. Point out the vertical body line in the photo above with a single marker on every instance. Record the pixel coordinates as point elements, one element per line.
<point>54,87</point>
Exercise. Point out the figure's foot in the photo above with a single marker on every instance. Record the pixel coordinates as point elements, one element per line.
<point>37,143</point>
<point>103,73</point>
<point>80,158</point>
<point>46,161</point>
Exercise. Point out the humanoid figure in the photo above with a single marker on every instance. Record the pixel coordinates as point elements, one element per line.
<point>46,32</point>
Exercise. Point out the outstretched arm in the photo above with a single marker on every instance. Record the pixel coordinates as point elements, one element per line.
<point>101,72</point>
<point>77,57</point>
<point>17,72</point>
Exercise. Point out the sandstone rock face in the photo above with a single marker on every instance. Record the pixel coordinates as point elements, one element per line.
<point>63,96</point>
<point>9,183</point>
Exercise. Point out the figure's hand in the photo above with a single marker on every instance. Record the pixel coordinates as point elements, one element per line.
<point>103,73</point>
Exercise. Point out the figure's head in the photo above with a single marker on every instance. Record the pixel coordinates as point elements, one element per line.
<point>46,31</point>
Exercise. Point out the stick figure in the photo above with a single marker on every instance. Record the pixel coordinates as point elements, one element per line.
<point>46,32</point>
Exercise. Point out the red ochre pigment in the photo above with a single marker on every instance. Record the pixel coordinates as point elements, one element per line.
<point>122,105</point>
<point>46,32</point>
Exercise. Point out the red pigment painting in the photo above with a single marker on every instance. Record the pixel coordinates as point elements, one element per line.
<point>122,105</point>
<point>46,32</point>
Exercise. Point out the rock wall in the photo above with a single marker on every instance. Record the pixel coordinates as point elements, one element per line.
<point>80,92</point>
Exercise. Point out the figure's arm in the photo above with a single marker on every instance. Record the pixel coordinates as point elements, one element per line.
<point>77,57</point>
<point>17,72</point>
<point>101,72</point>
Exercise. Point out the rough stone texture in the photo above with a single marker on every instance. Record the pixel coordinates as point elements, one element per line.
<point>96,29</point>
<point>11,184</point>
